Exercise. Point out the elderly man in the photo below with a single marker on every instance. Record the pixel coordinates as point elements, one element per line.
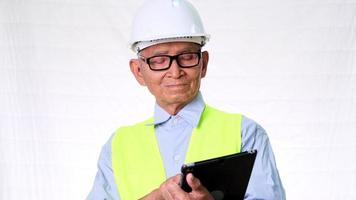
<point>143,161</point>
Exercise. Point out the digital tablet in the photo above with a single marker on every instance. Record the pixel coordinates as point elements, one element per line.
<point>225,177</point>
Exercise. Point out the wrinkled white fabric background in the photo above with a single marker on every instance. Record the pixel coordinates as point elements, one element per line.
<point>65,86</point>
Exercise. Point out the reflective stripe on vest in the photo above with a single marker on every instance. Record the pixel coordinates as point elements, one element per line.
<point>136,161</point>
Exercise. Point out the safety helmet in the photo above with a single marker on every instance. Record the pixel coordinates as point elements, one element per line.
<point>159,21</point>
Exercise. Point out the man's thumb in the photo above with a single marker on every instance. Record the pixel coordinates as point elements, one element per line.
<point>193,182</point>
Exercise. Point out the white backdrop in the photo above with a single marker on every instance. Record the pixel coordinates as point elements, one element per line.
<point>65,86</point>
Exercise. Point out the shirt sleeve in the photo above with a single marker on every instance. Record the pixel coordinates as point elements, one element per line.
<point>104,187</point>
<point>265,183</point>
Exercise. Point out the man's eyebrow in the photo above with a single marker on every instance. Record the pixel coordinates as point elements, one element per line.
<point>183,50</point>
<point>154,53</point>
<point>159,52</point>
<point>189,49</point>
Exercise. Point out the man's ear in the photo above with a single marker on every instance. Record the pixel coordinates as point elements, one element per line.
<point>205,60</point>
<point>136,71</point>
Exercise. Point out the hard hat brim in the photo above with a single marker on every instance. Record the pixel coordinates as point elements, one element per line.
<point>139,46</point>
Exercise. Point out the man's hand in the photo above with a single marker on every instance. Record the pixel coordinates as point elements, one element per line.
<point>170,190</point>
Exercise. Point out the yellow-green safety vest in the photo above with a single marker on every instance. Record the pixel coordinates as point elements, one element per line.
<point>136,160</point>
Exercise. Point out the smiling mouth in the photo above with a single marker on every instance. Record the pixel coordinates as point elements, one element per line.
<point>176,85</point>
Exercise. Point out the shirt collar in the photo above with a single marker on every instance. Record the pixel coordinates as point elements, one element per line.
<point>190,113</point>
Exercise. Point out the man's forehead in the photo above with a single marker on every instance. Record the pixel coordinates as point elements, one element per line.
<point>171,46</point>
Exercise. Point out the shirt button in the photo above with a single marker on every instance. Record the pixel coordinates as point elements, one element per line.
<point>175,120</point>
<point>176,157</point>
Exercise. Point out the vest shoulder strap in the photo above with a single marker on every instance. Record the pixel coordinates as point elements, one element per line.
<point>136,161</point>
<point>217,134</point>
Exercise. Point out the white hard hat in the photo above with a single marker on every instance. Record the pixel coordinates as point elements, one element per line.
<point>159,21</point>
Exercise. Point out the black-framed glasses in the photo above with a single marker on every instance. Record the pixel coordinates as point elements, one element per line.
<point>163,62</point>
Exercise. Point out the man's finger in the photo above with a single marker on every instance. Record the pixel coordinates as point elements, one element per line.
<point>176,192</point>
<point>171,190</point>
<point>193,182</point>
<point>198,189</point>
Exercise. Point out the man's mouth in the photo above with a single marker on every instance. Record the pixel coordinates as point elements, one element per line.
<point>175,85</point>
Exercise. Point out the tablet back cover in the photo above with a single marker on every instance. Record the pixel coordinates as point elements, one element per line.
<point>225,177</point>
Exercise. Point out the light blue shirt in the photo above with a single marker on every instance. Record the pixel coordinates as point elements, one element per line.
<point>173,134</point>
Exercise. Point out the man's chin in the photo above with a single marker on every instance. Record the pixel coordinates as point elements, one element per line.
<point>179,98</point>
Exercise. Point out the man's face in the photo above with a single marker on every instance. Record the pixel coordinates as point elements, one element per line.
<point>175,86</point>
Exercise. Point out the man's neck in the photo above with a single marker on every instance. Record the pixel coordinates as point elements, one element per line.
<point>173,109</point>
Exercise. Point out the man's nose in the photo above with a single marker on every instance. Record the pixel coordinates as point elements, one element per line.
<point>175,70</point>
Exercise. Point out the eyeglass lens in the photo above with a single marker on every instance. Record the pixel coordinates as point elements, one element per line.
<point>164,61</point>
